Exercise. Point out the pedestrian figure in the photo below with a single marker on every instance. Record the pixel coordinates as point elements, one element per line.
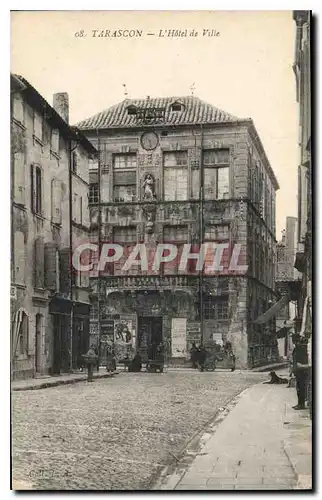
<point>202,354</point>
<point>300,369</point>
<point>91,361</point>
<point>98,359</point>
<point>194,355</point>
<point>110,360</point>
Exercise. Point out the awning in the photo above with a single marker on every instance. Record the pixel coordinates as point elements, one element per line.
<point>278,306</point>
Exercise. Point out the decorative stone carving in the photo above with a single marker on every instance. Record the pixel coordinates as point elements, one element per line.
<point>149,188</point>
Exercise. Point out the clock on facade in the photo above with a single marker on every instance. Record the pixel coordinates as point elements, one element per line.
<point>149,140</point>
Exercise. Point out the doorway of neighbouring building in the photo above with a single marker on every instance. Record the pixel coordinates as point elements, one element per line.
<point>61,342</point>
<point>149,334</point>
<point>39,321</point>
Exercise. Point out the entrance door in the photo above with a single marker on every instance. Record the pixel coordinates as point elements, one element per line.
<point>38,342</point>
<point>149,334</point>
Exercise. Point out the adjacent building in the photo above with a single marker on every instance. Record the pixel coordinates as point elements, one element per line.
<point>180,171</point>
<point>287,277</point>
<point>302,70</point>
<point>49,214</point>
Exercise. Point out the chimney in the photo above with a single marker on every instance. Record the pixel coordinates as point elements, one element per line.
<point>61,105</point>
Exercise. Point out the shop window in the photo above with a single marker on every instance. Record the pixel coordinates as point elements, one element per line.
<point>215,308</point>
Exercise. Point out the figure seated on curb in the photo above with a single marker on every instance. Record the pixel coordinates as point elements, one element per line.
<point>275,379</point>
<point>136,364</point>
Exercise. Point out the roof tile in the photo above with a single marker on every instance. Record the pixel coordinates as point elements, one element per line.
<point>195,111</point>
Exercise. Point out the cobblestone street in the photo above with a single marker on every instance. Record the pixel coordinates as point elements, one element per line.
<point>114,434</point>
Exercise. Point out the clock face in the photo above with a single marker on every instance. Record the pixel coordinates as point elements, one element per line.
<point>149,140</point>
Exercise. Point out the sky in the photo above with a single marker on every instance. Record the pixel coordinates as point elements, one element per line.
<point>246,70</point>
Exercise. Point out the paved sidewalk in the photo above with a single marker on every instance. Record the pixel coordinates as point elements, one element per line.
<point>44,382</point>
<point>262,444</point>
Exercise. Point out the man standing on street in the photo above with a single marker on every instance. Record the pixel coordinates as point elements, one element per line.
<point>300,369</point>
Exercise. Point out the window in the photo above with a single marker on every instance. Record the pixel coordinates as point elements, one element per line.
<point>124,188</point>
<point>22,333</point>
<point>125,234</point>
<point>18,108</point>
<point>54,144</point>
<point>94,311</point>
<point>93,193</point>
<point>177,235</point>
<point>126,237</point>
<point>215,307</point>
<point>19,257</point>
<point>124,161</point>
<point>36,189</point>
<point>74,162</point>
<point>217,232</point>
<point>216,174</point>
<point>175,175</point>
<point>38,126</point>
<point>78,209</point>
<point>56,201</point>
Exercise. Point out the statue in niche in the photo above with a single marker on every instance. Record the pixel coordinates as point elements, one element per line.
<point>148,188</point>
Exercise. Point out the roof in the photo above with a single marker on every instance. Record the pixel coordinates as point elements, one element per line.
<point>33,97</point>
<point>195,111</point>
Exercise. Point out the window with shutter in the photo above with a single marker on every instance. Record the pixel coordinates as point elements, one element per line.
<point>39,263</point>
<point>54,145</point>
<point>20,257</point>
<point>65,270</point>
<point>19,178</point>
<point>38,126</point>
<point>50,271</point>
<point>36,189</point>
<point>18,108</point>
<point>23,334</point>
<point>56,201</point>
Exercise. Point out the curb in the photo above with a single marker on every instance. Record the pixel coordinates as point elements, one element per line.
<point>266,368</point>
<point>55,383</point>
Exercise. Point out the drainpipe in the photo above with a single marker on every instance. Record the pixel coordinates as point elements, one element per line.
<point>70,182</point>
<point>99,242</point>
<point>201,225</point>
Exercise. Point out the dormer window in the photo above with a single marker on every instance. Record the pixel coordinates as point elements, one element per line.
<point>177,106</point>
<point>131,110</point>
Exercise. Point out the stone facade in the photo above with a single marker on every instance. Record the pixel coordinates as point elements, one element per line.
<point>246,210</point>
<point>40,231</point>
